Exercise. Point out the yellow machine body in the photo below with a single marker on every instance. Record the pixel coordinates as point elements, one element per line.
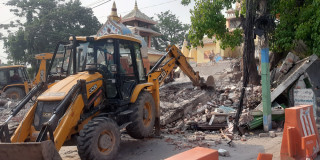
<point>21,87</point>
<point>77,99</point>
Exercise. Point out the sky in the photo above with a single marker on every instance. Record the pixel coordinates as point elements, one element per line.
<point>150,7</point>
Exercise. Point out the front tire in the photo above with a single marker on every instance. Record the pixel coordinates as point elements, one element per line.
<point>143,116</point>
<point>99,140</point>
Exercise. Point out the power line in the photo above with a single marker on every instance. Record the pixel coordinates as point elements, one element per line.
<point>100,4</point>
<point>146,7</point>
<point>94,3</point>
<point>155,5</point>
<point>158,4</point>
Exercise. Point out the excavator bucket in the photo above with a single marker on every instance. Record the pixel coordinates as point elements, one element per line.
<point>29,151</point>
<point>210,82</point>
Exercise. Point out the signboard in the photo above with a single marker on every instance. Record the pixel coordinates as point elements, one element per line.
<point>303,97</point>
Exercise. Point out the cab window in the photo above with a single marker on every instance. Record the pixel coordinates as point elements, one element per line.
<point>140,67</point>
<point>3,79</point>
<point>126,66</point>
<point>15,76</point>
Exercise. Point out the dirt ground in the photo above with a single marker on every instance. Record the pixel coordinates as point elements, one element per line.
<point>158,149</point>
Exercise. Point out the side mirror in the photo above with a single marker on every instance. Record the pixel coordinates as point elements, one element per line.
<point>113,68</point>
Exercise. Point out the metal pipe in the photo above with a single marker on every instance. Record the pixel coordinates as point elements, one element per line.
<point>8,119</point>
<point>74,52</point>
<point>25,100</point>
<point>159,62</point>
<point>64,102</point>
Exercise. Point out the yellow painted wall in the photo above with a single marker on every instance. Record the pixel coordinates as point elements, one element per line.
<point>198,54</point>
<point>193,55</point>
<point>236,52</point>
<point>185,51</point>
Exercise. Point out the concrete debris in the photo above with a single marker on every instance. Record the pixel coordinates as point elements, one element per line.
<point>243,138</point>
<point>263,135</point>
<point>210,82</point>
<point>272,134</point>
<point>290,60</point>
<point>245,117</point>
<point>184,107</point>
<point>285,81</point>
<point>223,152</point>
<point>7,107</point>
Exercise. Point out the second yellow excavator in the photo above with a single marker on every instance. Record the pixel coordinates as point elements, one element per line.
<point>96,86</point>
<point>15,82</point>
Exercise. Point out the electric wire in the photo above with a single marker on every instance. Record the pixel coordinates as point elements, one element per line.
<point>145,7</point>
<point>100,4</point>
<point>94,3</point>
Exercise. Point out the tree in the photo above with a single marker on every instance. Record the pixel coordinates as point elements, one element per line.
<point>298,25</point>
<point>47,22</point>
<point>173,31</point>
<point>207,19</point>
<point>17,52</point>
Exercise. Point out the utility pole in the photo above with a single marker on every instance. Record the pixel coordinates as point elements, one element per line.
<point>265,70</point>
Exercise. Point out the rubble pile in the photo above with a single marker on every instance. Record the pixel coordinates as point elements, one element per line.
<point>6,109</point>
<point>184,106</point>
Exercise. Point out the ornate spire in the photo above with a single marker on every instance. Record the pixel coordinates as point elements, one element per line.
<point>135,5</point>
<point>114,14</point>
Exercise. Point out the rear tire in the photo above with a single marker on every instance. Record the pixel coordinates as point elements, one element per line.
<point>99,139</point>
<point>143,116</point>
<point>15,93</point>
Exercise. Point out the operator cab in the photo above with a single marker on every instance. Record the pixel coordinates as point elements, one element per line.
<point>10,75</point>
<point>117,58</point>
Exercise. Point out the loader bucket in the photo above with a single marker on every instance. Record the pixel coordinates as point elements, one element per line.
<point>29,151</point>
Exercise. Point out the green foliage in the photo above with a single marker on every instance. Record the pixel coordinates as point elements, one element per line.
<point>47,22</point>
<point>172,30</point>
<point>185,2</point>
<point>207,19</point>
<point>299,20</point>
<point>243,7</point>
<point>17,52</point>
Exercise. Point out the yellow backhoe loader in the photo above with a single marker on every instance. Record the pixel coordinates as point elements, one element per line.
<point>15,82</point>
<point>96,86</point>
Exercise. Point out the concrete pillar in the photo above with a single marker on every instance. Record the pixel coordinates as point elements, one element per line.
<point>149,41</point>
<point>266,95</point>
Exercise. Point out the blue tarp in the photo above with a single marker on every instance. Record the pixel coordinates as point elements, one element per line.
<point>218,58</point>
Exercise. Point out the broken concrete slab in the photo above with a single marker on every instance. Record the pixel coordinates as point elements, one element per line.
<point>263,135</point>
<point>184,109</point>
<point>223,152</point>
<point>313,74</point>
<point>299,69</point>
<point>272,134</point>
<point>288,62</point>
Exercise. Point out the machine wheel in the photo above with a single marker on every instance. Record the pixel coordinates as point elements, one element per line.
<point>15,93</point>
<point>143,116</point>
<point>99,139</point>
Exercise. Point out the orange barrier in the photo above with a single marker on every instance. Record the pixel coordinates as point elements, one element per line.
<point>198,153</point>
<point>264,156</point>
<point>300,135</point>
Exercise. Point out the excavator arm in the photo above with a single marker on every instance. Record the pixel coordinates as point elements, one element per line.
<point>175,57</point>
<point>41,75</point>
<point>157,75</point>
